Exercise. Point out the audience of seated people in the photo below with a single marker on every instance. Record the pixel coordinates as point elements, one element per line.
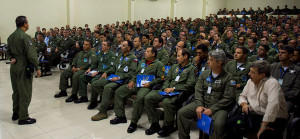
<point>218,50</point>
<point>266,10</point>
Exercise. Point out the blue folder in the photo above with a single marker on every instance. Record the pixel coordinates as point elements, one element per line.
<point>205,124</point>
<point>163,93</point>
<point>143,79</point>
<point>111,76</point>
<point>167,68</point>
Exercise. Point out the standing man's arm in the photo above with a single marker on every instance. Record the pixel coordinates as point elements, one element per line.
<point>31,54</point>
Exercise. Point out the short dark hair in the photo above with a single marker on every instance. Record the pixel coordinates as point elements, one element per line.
<point>146,35</point>
<point>298,50</point>
<point>289,49</point>
<point>160,40</point>
<point>185,51</point>
<point>108,42</point>
<point>130,44</point>
<point>41,34</point>
<point>88,40</point>
<point>97,32</point>
<point>101,34</point>
<point>203,47</point>
<point>153,50</point>
<point>266,47</point>
<point>254,39</point>
<point>244,49</point>
<point>20,21</point>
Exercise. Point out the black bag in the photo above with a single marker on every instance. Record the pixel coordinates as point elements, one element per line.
<point>238,122</point>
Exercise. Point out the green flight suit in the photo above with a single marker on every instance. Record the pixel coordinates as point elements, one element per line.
<point>219,100</point>
<point>40,47</point>
<point>103,63</point>
<point>123,93</point>
<point>66,44</point>
<point>289,81</point>
<point>163,56</point>
<point>83,60</point>
<point>20,47</point>
<point>185,84</point>
<point>79,39</point>
<point>239,74</point>
<point>269,59</point>
<point>125,68</point>
<point>222,46</point>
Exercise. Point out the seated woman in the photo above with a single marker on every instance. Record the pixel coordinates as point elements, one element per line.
<point>264,99</point>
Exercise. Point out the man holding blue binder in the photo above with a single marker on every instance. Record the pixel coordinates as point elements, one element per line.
<point>105,60</point>
<point>180,78</point>
<point>148,66</point>
<point>124,70</point>
<point>214,93</point>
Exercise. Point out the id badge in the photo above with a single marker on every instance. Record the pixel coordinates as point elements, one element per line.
<point>177,78</point>
<point>126,69</point>
<point>280,81</point>
<point>48,50</point>
<point>143,70</point>
<point>209,90</point>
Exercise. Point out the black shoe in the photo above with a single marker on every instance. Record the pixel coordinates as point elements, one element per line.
<point>92,105</point>
<point>153,129</point>
<point>72,98</point>
<point>26,122</point>
<point>132,127</point>
<point>118,120</point>
<point>165,131</point>
<point>81,100</point>
<point>61,94</point>
<point>15,116</point>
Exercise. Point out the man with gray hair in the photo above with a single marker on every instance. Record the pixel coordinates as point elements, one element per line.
<point>214,94</point>
<point>264,99</point>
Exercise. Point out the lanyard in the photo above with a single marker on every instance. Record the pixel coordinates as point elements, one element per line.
<point>282,73</point>
<point>210,80</point>
<point>181,71</point>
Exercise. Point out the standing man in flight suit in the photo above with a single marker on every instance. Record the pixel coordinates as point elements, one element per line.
<point>80,64</point>
<point>104,62</point>
<point>149,65</point>
<point>21,53</point>
<point>125,68</point>
<point>180,78</point>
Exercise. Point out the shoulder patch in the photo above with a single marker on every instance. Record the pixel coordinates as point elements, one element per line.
<point>135,60</point>
<point>232,82</point>
<point>30,43</point>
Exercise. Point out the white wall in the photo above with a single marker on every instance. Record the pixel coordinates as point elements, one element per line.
<point>95,12</point>
<point>213,6</point>
<point>145,9</point>
<point>43,13</point>
<point>188,8</point>
<point>235,4</point>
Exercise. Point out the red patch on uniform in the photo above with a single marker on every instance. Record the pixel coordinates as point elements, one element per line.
<point>135,60</point>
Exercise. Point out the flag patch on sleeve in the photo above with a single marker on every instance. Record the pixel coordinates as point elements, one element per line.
<point>30,43</point>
